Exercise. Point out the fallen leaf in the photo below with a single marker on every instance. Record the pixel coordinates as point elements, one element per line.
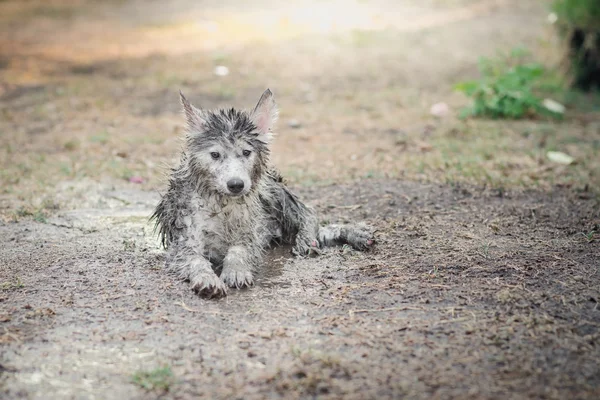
<point>560,157</point>
<point>439,109</point>
<point>553,106</point>
<point>424,147</point>
<point>136,179</point>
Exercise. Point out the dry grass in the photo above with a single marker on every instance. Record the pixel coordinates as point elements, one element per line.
<point>362,99</point>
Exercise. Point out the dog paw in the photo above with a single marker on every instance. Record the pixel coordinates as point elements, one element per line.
<point>360,237</point>
<point>237,278</point>
<point>237,268</point>
<point>305,247</point>
<point>209,286</point>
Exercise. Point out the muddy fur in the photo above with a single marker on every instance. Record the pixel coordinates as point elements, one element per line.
<point>226,204</point>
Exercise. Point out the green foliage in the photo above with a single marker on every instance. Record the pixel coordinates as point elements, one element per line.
<point>159,379</point>
<point>15,284</point>
<point>507,88</point>
<point>40,217</point>
<point>584,14</point>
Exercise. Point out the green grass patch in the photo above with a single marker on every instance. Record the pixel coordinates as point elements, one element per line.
<point>15,284</point>
<point>38,213</point>
<point>159,379</point>
<point>100,137</point>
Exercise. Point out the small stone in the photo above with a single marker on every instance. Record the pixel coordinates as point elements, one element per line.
<point>221,70</point>
<point>294,123</point>
<point>136,179</point>
<point>439,110</point>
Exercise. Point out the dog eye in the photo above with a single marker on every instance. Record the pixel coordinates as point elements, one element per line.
<point>215,155</point>
<point>246,153</point>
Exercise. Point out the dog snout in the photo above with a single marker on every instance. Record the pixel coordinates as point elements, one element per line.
<point>235,185</point>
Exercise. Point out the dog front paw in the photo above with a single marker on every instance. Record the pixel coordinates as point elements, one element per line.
<point>237,268</point>
<point>209,286</point>
<point>237,278</point>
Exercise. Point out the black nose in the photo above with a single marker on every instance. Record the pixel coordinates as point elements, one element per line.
<point>235,185</point>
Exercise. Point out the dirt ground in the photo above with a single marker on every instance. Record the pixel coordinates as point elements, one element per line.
<point>485,279</point>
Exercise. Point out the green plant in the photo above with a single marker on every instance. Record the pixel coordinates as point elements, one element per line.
<point>17,283</point>
<point>592,234</point>
<point>40,216</point>
<point>508,88</point>
<point>159,379</point>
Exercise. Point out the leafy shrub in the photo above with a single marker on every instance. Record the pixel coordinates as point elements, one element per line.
<point>507,88</point>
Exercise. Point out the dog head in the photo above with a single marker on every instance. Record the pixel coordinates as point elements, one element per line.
<point>228,149</point>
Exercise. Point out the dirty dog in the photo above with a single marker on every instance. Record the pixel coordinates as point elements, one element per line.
<point>226,204</point>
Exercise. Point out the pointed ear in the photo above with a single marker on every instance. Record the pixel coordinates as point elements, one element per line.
<point>265,115</point>
<point>195,118</point>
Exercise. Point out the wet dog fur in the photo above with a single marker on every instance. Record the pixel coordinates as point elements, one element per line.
<point>226,204</point>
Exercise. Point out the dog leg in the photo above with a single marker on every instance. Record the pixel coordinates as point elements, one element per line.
<point>358,236</point>
<point>238,267</point>
<point>306,239</point>
<point>198,270</point>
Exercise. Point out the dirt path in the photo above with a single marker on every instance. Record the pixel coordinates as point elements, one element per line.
<point>483,284</point>
<point>467,295</point>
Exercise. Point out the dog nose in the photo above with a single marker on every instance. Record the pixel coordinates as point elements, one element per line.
<point>235,185</point>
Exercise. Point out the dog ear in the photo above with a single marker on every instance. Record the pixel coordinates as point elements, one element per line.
<point>196,122</point>
<point>265,114</point>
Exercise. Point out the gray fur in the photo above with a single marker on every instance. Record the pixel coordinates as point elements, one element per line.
<point>208,229</point>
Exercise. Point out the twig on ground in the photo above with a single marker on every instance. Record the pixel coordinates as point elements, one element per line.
<point>351,207</point>
<point>407,308</point>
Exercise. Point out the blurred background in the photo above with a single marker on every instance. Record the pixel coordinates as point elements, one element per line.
<point>495,93</point>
